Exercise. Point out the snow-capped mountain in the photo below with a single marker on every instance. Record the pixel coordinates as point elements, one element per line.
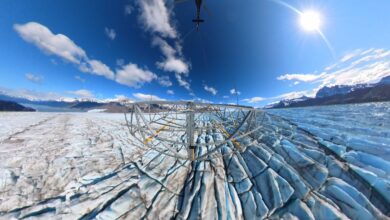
<point>340,90</point>
<point>69,104</point>
<point>342,94</point>
<point>286,102</point>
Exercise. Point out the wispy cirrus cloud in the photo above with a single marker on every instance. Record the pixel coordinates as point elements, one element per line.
<point>82,93</point>
<point>184,83</point>
<point>254,100</point>
<point>235,92</point>
<point>356,67</point>
<point>63,47</point>
<point>79,78</point>
<point>129,9</point>
<point>34,78</point>
<point>147,97</point>
<point>210,89</point>
<point>285,96</point>
<point>164,81</point>
<point>120,62</point>
<point>301,77</point>
<point>294,95</point>
<point>30,94</point>
<point>111,33</point>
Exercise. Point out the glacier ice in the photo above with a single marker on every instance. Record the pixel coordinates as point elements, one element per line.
<point>84,165</point>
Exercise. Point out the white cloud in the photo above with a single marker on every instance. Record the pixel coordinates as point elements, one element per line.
<point>164,81</point>
<point>118,98</point>
<point>172,62</point>
<point>133,76</point>
<point>372,55</point>
<point>79,78</point>
<point>351,55</point>
<point>173,65</point>
<point>122,98</point>
<point>120,62</point>
<point>254,100</point>
<point>301,77</point>
<point>203,100</point>
<point>210,89</point>
<point>170,92</point>
<point>147,97</point>
<point>183,82</point>
<point>225,97</point>
<point>110,33</point>
<point>357,67</point>
<point>155,16</point>
<point>295,95</point>
<point>60,45</point>
<point>34,78</point>
<point>30,94</point>
<point>51,44</point>
<point>129,9</point>
<point>235,92</point>
<point>98,68</point>
<point>82,93</point>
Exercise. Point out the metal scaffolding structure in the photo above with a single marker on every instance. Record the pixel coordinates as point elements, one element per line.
<point>191,130</point>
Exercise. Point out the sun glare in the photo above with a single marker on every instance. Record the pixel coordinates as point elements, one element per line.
<point>310,21</point>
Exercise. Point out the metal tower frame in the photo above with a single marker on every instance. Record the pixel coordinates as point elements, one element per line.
<point>174,128</point>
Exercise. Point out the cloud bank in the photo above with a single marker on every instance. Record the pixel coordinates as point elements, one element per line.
<point>156,16</point>
<point>147,97</point>
<point>356,67</point>
<point>62,46</point>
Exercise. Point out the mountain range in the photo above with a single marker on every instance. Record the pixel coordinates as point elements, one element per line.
<point>11,103</point>
<point>342,94</point>
<point>13,106</point>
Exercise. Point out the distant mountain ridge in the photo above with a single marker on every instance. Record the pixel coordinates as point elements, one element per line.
<point>69,105</point>
<point>13,106</point>
<point>340,90</point>
<point>342,94</point>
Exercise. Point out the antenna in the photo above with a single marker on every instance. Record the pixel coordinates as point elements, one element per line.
<point>235,90</point>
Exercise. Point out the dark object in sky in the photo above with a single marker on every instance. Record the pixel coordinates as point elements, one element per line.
<point>198,20</point>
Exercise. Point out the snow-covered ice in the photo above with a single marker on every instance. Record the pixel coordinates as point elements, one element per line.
<point>85,166</point>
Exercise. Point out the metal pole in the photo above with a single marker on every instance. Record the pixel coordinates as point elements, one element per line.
<point>190,117</point>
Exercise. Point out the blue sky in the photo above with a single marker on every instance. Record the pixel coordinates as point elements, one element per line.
<point>149,49</point>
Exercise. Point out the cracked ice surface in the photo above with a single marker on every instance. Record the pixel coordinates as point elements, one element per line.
<point>84,165</point>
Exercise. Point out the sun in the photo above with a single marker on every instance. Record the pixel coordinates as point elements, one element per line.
<point>310,21</point>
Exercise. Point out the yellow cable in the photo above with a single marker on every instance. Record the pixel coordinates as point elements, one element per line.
<point>227,135</point>
<point>150,138</point>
